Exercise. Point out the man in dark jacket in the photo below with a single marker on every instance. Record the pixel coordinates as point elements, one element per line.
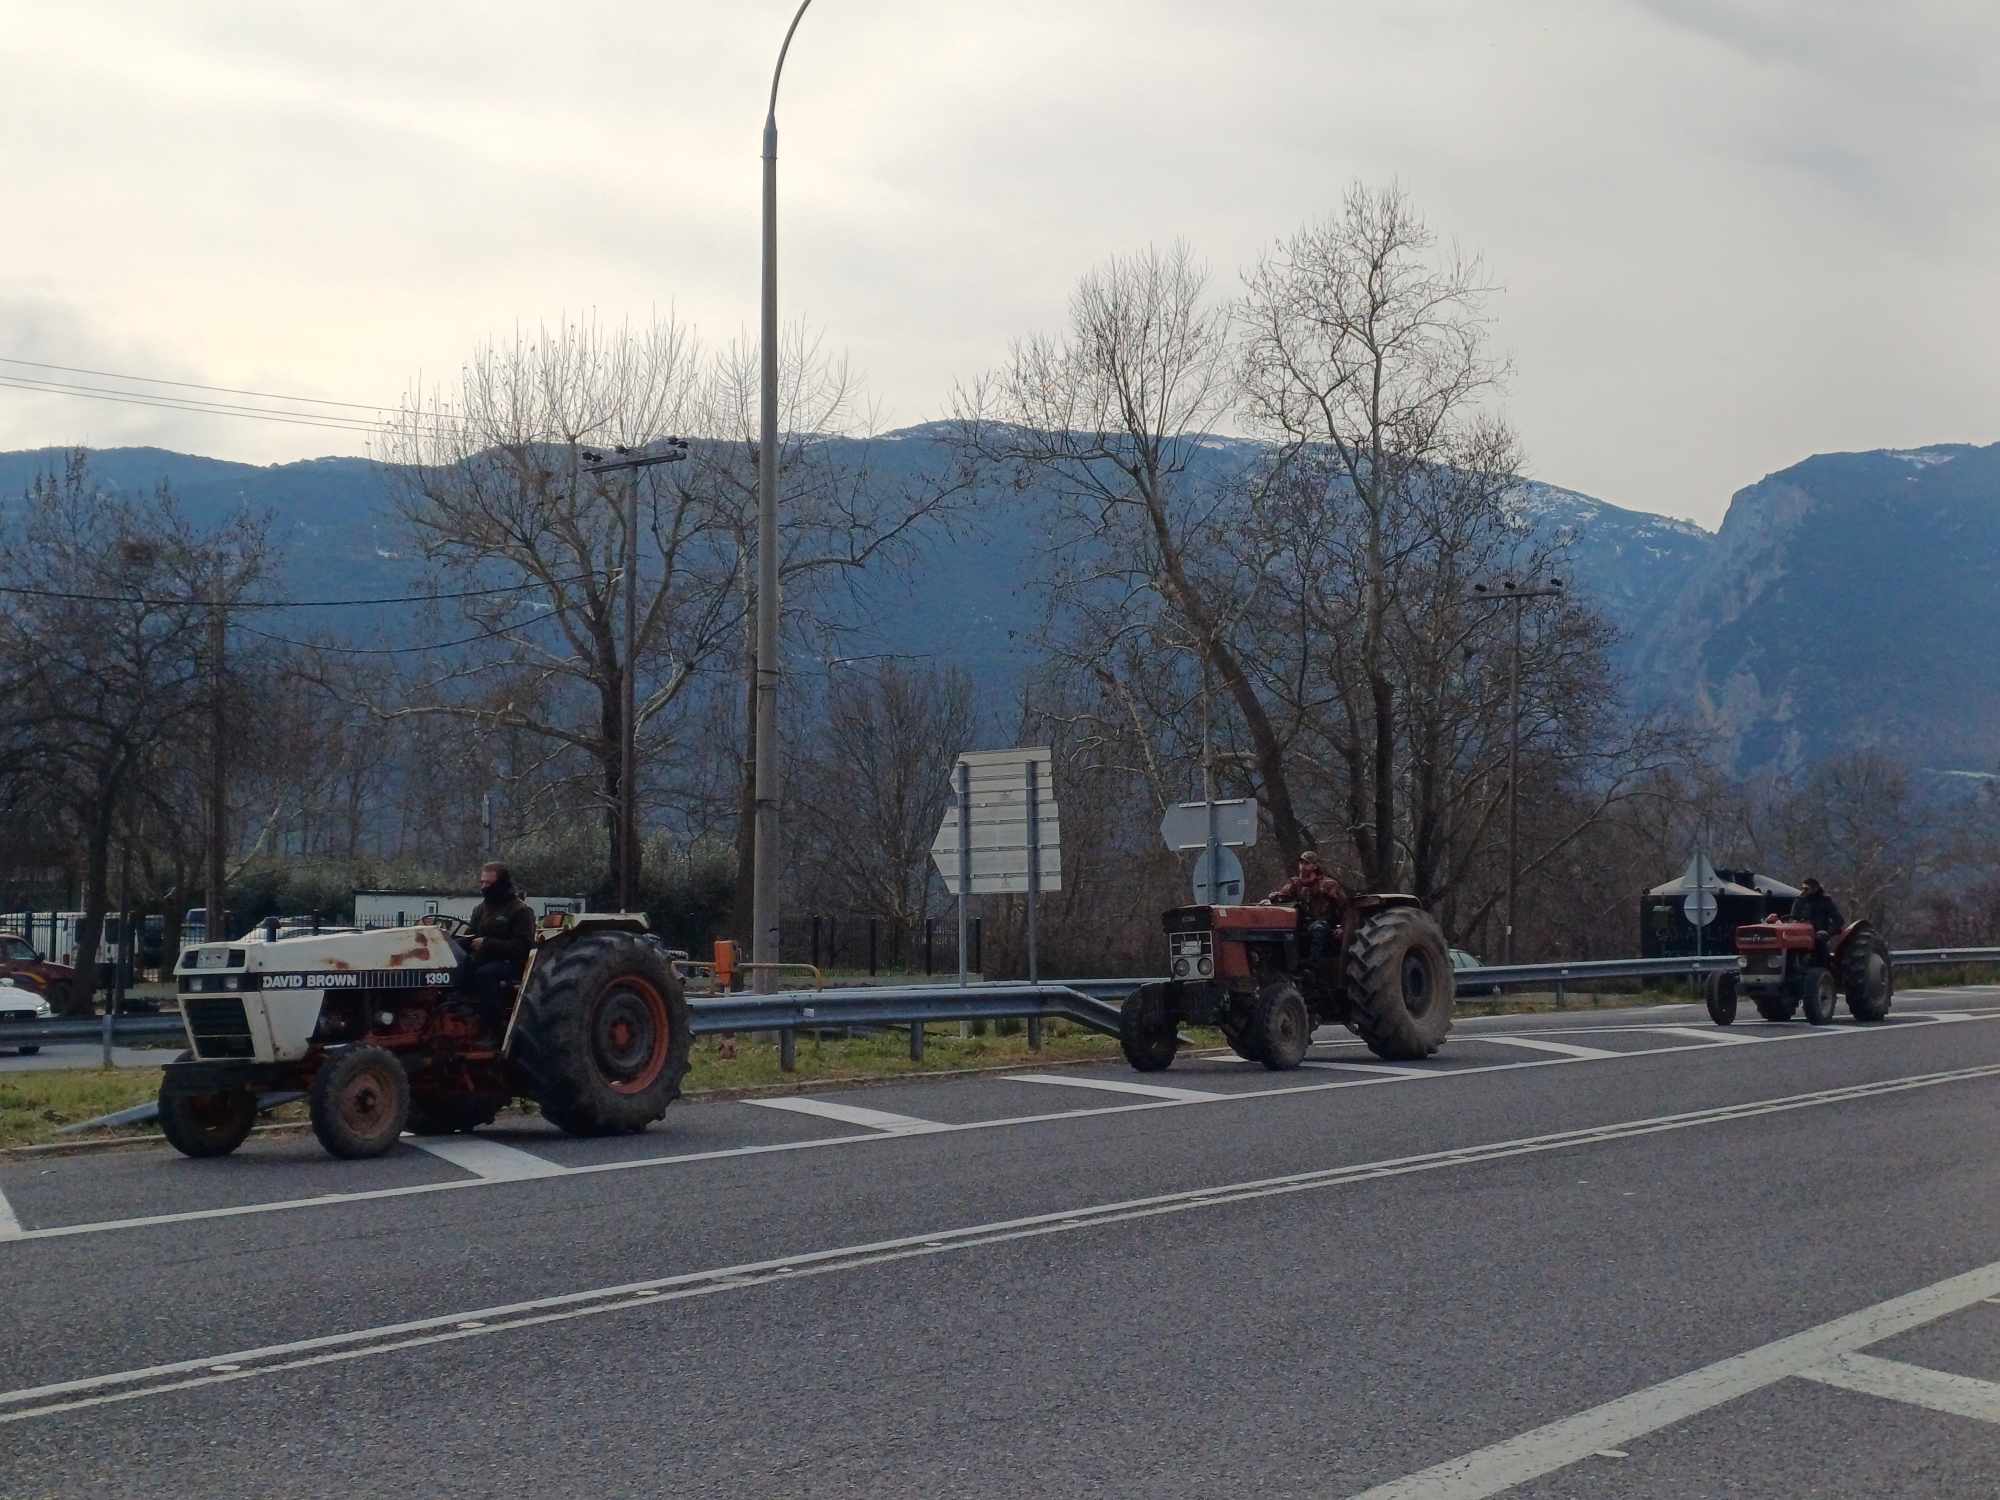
<point>1814,905</point>
<point>1320,898</point>
<point>502,936</point>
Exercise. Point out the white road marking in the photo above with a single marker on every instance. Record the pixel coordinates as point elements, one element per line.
<point>1536,1044</point>
<point>647,1163</point>
<point>486,1159</point>
<point>1389,1070</point>
<point>10,1225</point>
<point>1714,1036</point>
<point>1938,1015</point>
<point>1117,1086</point>
<point>99,1390</point>
<point>850,1114</point>
<point>1913,1385</point>
<point>1490,1470</point>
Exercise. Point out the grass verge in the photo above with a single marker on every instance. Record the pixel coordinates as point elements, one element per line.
<point>33,1106</point>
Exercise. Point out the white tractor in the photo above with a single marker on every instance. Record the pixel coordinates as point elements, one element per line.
<point>375,1029</point>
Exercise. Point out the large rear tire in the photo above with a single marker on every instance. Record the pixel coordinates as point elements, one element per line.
<point>1282,1026</point>
<point>200,1125</point>
<point>1146,1034</point>
<point>1399,983</point>
<point>1720,993</point>
<point>360,1101</point>
<point>1822,996</point>
<point>1866,976</point>
<point>603,1036</point>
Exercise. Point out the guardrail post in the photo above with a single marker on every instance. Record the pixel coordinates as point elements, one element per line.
<point>874,934</point>
<point>1562,1000</point>
<point>788,1050</point>
<point>1034,1033</point>
<point>916,1041</point>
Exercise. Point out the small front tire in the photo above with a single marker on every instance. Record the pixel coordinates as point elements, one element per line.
<point>360,1102</point>
<point>201,1125</point>
<point>1146,1034</point>
<point>1721,999</point>
<point>1822,995</point>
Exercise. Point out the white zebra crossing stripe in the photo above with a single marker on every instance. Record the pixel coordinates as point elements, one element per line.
<point>1536,1044</point>
<point>1913,1385</point>
<point>1115,1086</point>
<point>850,1114</point>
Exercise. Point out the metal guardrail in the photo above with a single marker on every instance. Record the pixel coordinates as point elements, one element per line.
<point>1089,1002</point>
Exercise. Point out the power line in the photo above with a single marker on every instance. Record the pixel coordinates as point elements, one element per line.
<point>405,650</point>
<point>511,588</point>
<point>190,385</point>
<point>168,403</point>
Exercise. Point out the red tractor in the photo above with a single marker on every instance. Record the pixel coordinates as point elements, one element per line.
<point>1783,965</point>
<point>1248,970</point>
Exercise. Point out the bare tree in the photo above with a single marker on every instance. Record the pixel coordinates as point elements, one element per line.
<point>103,638</point>
<point>1366,355</point>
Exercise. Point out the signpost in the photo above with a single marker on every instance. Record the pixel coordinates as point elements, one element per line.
<point>1003,835</point>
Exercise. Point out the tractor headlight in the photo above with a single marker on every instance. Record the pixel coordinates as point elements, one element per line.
<point>1180,968</point>
<point>43,1010</point>
<point>1742,962</point>
<point>1204,967</point>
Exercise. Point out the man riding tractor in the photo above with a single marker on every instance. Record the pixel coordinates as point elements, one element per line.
<point>1319,898</point>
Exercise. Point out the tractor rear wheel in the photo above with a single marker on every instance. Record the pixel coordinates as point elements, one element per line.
<point>1399,983</point>
<point>360,1101</point>
<point>1866,975</point>
<point>206,1124</point>
<point>1146,1034</point>
<point>1281,1025</point>
<point>1822,995</point>
<point>1720,993</point>
<point>602,1037</point>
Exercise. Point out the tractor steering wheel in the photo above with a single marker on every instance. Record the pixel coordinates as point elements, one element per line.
<point>454,927</point>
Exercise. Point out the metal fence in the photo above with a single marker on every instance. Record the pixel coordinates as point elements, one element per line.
<point>1089,1002</point>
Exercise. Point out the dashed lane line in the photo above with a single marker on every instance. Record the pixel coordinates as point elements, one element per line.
<point>1633,1416</point>
<point>1518,1460</point>
<point>850,1114</point>
<point>1913,1385</point>
<point>486,1159</point>
<point>646,1163</point>
<point>1118,1086</point>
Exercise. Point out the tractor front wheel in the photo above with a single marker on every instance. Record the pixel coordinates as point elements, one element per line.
<point>1866,976</point>
<point>1282,1026</point>
<point>360,1102</point>
<point>207,1124</point>
<point>1720,993</point>
<point>1146,1033</point>
<point>1822,995</point>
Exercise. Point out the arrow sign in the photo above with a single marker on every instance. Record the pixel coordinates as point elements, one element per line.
<point>1186,825</point>
<point>999,795</point>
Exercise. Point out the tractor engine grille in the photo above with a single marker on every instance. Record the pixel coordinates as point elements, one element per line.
<point>220,1027</point>
<point>1191,955</point>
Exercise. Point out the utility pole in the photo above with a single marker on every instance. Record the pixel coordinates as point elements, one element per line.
<point>218,761</point>
<point>765,842</point>
<point>628,739</point>
<point>1512,593</point>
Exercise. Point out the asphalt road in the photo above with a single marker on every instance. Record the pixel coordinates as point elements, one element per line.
<point>1613,1255</point>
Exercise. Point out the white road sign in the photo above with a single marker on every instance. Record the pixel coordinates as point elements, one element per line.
<point>996,823</point>
<point>1186,825</point>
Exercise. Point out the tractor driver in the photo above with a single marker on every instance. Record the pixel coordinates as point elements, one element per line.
<point>502,935</point>
<point>1814,905</point>
<point>1319,897</point>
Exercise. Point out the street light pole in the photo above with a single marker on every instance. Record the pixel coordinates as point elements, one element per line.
<point>628,736</point>
<point>764,852</point>
<point>1512,593</point>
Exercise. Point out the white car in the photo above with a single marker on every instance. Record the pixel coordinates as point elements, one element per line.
<point>20,1006</point>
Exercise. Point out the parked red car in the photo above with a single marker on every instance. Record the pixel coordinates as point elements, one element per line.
<point>20,962</point>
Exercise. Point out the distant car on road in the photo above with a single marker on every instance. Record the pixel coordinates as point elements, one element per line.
<point>19,1006</point>
<point>1460,959</point>
<point>28,969</point>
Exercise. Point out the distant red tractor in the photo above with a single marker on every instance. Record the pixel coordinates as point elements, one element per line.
<point>1783,966</point>
<point>1248,970</point>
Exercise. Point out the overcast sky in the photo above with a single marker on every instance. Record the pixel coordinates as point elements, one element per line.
<point>1730,232</point>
